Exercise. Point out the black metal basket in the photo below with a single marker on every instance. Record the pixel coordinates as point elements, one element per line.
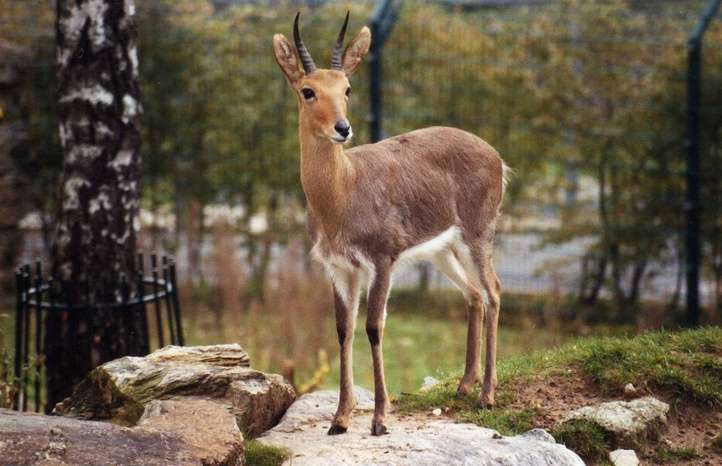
<point>37,295</point>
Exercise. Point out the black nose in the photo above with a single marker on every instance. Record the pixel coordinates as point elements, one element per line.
<point>342,127</point>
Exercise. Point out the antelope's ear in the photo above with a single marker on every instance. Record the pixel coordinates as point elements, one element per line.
<point>356,51</point>
<point>286,58</point>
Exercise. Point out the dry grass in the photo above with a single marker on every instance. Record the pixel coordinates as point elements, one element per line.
<point>290,319</point>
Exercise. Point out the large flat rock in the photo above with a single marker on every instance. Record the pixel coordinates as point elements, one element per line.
<point>120,390</point>
<point>414,440</point>
<point>211,439</point>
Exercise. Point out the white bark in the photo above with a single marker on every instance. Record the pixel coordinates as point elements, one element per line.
<point>93,93</point>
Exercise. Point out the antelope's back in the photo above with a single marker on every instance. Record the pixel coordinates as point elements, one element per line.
<point>467,158</point>
<point>431,178</point>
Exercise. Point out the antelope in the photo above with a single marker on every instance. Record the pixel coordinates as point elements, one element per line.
<point>431,194</point>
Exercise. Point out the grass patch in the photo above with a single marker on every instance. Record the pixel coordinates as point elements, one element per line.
<point>675,455</point>
<point>504,421</point>
<point>258,454</point>
<point>686,365</point>
<point>584,437</point>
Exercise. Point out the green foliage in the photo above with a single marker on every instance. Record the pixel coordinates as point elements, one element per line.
<point>596,89</point>
<point>258,454</point>
<point>585,438</point>
<point>8,384</point>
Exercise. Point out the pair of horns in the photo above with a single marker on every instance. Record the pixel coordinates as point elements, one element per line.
<point>308,65</point>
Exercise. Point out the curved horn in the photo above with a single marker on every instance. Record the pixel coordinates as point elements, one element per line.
<point>308,65</point>
<point>338,48</point>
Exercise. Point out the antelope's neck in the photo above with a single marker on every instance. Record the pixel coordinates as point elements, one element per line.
<point>326,176</point>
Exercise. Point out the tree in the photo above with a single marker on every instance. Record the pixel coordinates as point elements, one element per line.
<point>95,233</point>
<point>13,142</point>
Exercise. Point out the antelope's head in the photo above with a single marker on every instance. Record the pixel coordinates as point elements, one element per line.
<point>322,93</point>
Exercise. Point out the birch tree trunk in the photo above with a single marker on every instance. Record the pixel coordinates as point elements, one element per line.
<point>13,146</point>
<point>95,236</point>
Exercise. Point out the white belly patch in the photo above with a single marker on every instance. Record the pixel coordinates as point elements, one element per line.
<point>446,250</point>
<point>430,248</point>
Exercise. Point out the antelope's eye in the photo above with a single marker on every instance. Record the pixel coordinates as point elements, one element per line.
<point>308,94</point>
<point>348,91</point>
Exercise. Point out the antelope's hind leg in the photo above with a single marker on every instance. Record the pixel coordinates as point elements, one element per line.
<point>492,286</point>
<point>346,291</point>
<point>449,264</point>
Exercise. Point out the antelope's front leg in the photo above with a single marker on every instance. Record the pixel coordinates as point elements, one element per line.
<point>346,297</point>
<point>375,320</point>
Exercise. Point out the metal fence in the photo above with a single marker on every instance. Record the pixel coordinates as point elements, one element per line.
<point>39,294</point>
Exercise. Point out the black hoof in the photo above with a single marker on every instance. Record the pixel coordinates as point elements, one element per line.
<point>336,430</point>
<point>379,429</point>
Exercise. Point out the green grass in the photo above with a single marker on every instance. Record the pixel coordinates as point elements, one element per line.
<point>416,343</point>
<point>586,438</point>
<point>675,455</point>
<point>258,454</point>
<point>684,365</point>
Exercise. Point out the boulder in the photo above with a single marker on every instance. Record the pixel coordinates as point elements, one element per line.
<point>207,427</point>
<point>121,390</point>
<point>29,438</point>
<point>319,407</point>
<point>413,440</point>
<point>629,422</point>
<point>623,458</point>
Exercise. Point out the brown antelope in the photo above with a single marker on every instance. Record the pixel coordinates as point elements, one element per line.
<point>433,194</point>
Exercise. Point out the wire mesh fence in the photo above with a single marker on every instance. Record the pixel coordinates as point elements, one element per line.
<point>584,100</point>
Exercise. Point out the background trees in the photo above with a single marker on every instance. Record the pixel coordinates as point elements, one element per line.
<point>584,100</point>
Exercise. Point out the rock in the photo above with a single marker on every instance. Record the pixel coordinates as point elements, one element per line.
<point>540,435</point>
<point>429,383</point>
<point>624,458</point>
<point>413,440</point>
<point>209,428</point>
<point>29,438</point>
<point>319,407</point>
<point>121,389</point>
<point>436,412</point>
<point>630,422</point>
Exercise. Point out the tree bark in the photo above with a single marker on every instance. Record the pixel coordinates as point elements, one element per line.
<point>95,237</point>
<point>13,146</point>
